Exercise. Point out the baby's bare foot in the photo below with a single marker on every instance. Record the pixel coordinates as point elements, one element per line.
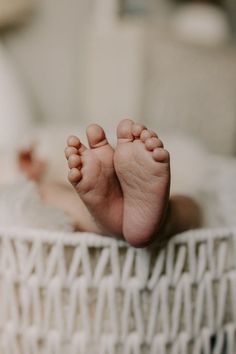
<point>93,176</point>
<point>142,166</point>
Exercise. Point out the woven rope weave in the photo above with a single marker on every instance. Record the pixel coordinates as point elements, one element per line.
<point>85,294</point>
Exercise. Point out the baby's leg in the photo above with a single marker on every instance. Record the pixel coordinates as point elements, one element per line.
<point>65,198</point>
<point>59,195</point>
<point>183,214</point>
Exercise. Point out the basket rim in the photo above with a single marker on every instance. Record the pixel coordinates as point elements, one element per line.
<point>91,239</point>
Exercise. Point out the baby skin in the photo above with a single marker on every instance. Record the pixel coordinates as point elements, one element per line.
<point>123,192</point>
<point>126,190</point>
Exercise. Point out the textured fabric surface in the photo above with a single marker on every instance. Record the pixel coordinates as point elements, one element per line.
<point>21,206</point>
<point>80,293</point>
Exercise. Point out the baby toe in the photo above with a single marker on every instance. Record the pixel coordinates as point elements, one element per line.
<point>73,141</point>
<point>69,150</point>
<point>74,175</point>
<point>96,136</point>
<point>74,161</point>
<point>145,134</point>
<point>154,135</point>
<point>153,143</point>
<point>124,130</point>
<point>161,155</point>
<point>137,129</point>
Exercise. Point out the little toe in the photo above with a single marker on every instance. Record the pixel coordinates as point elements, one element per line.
<point>96,136</point>
<point>74,175</point>
<point>69,150</point>
<point>124,131</point>
<point>74,161</point>
<point>153,143</point>
<point>137,129</point>
<point>74,141</point>
<point>146,134</point>
<point>161,155</point>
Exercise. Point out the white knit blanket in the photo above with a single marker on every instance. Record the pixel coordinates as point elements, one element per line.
<point>21,206</point>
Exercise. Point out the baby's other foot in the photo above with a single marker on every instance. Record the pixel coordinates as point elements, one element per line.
<point>143,168</point>
<point>93,176</point>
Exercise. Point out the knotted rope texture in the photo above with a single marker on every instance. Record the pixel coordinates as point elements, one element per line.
<point>81,293</point>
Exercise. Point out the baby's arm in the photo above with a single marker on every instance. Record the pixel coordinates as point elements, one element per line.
<point>32,167</point>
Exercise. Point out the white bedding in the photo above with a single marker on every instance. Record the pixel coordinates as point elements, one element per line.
<point>21,206</point>
<point>210,179</point>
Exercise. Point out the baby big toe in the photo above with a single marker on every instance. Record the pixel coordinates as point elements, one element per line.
<point>124,130</point>
<point>96,136</point>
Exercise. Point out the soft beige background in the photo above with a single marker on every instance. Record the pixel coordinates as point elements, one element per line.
<point>80,63</point>
<point>48,51</point>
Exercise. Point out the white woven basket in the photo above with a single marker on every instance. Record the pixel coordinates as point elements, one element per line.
<point>85,294</point>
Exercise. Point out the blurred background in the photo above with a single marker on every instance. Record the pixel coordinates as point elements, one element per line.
<point>168,63</point>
